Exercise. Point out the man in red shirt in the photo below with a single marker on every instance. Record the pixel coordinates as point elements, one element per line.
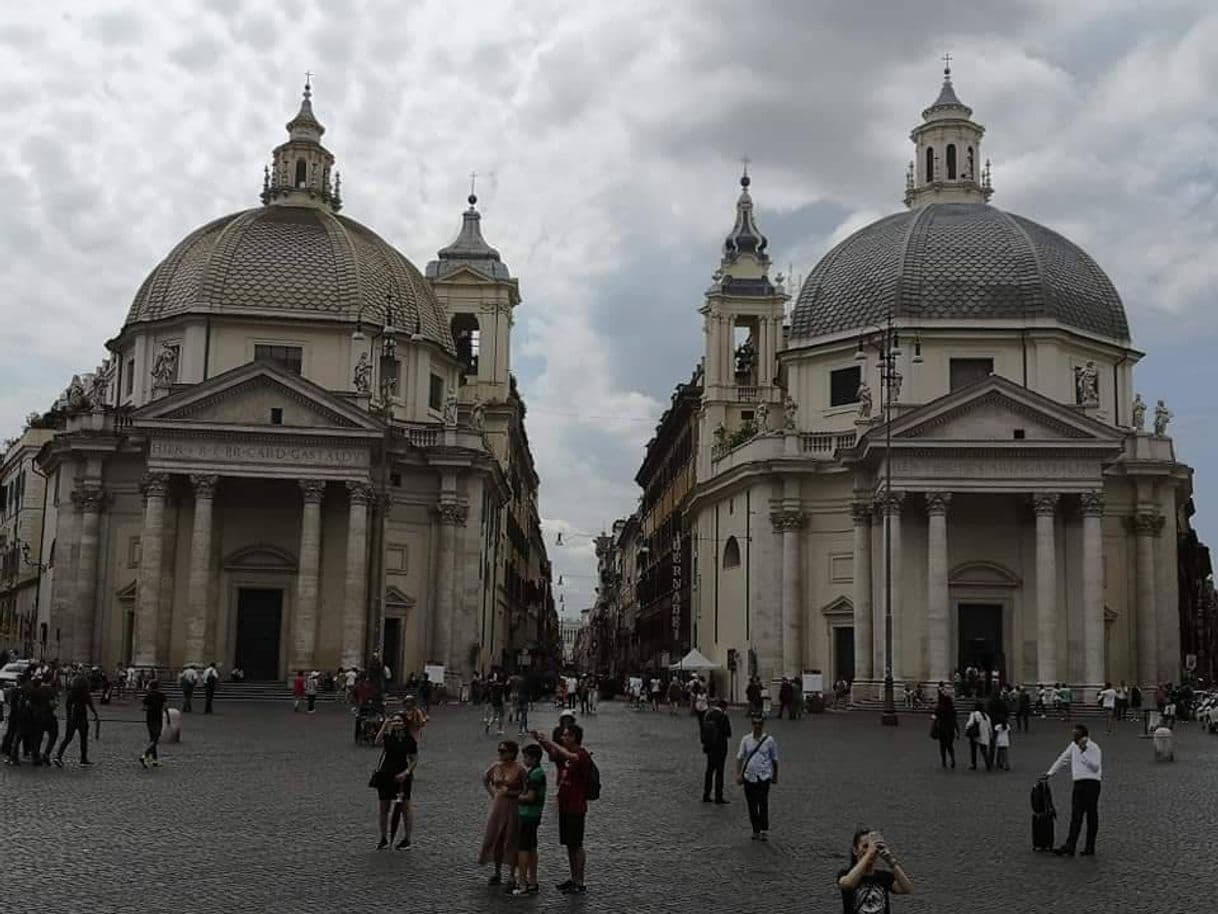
<point>574,770</point>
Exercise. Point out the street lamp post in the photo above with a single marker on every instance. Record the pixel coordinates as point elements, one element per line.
<point>887,344</point>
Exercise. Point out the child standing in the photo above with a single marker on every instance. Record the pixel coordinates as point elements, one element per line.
<point>1002,735</point>
<point>532,803</point>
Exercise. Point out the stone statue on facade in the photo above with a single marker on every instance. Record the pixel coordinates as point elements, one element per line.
<point>789,408</point>
<point>362,376</point>
<point>761,416</point>
<point>99,384</point>
<point>864,398</point>
<point>450,410</point>
<point>165,366</point>
<point>1087,384</point>
<point>720,434</point>
<point>1163,415</point>
<point>75,397</point>
<point>478,416</point>
<point>894,388</point>
<point>1139,413</point>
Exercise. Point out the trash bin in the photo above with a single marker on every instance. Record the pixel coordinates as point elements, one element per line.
<point>1165,745</point>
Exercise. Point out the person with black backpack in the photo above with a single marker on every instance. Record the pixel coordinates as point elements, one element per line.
<point>578,783</point>
<point>716,732</point>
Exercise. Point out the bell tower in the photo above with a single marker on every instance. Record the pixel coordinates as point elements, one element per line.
<point>947,167</point>
<point>743,331</point>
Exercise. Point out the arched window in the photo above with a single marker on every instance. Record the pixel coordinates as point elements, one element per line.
<point>972,171</point>
<point>951,161</point>
<point>930,164</point>
<point>731,553</point>
<point>302,173</point>
<point>466,337</point>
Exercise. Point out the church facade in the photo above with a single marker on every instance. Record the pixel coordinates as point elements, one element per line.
<point>952,392</point>
<point>301,452</point>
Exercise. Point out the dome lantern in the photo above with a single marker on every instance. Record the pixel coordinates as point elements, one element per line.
<point>300,168</point>
<point>947,166</point>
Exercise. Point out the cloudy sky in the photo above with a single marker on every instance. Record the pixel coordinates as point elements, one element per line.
<point>609,137</point>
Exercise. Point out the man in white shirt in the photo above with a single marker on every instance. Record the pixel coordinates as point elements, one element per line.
<point>1086,769</point>
<point>756,770</point>
<point>188,680</point>
<point>1108,700</point>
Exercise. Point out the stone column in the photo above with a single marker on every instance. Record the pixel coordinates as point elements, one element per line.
<point>452,515</point>
<point>1045,506</point>
<point>861,513</point>
<point>890,510</point>
<point>938,630</point>
<point>1092,504</point>
<point>304,626</point>
<point>148,583</point>
<point>89,501</point>
<point>355,593</point>
<point>789,522</point>
<point>1146,528</point>
<point>63,594</point>
<point>198,599</point>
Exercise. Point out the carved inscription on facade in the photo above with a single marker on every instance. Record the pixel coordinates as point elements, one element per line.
<point>237,452</point>
<point>994,468</point>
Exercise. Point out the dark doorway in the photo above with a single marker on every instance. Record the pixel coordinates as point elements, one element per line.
<point>981,637</point>
<point>259,613</point>
<point>391,649</point>
<point>843,653</point>
<point>128,635</point>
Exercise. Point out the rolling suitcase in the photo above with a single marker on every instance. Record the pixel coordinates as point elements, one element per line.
<point>1043,815</point>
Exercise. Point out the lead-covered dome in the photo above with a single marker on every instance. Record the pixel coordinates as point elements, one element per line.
<point>945,261</point>
<point>291,261</point>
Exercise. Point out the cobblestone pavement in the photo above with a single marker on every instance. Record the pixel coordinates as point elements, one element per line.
<point>261,809</point>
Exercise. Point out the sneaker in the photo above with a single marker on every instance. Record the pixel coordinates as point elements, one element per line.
<point>156,763</point>
<point>58,762</point>
<point>510,886</point>
<point>403,845</point>
<point>565,886</point>
<point>721,802</point>
<point>382,844</point>
<point>520,890</point>
<point>534,889</point>
<point>87,764</point>
<point>756,836</point>
<point>765,836</point>
<point>706,799</point>
<point>144,760</point>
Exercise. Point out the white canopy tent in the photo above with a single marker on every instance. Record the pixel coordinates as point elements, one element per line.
<point>695,662</point>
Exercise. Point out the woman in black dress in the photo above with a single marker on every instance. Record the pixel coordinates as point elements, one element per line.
<point>947,729</point>
<point>394,778</point>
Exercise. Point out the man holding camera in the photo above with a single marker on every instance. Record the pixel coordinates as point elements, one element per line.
<point>1085,761</point>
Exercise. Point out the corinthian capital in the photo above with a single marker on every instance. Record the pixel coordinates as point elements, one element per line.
<point>155,485</point>
<point>359,492</point>
<point>1092,504</point>
<point>452,512</point>
<point>860,512</point>
<point>1147,523</point>
<point>1045,503</point>
<point>90,497</point>
<point>938,502</point>
<point>787,519</point>
<point>890,503</point>
<point>314,490</point>
<point>204,484</point>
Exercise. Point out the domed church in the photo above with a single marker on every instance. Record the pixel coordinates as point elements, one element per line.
<point>301,452</point>
<point>952,393</point>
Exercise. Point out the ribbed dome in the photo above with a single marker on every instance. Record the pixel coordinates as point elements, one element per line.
<point>291,261</point>
<point>957,260</point>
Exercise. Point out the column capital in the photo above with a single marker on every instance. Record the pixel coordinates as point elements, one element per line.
<point>889,503</point>
<point>860,512</point>
<point>90,497</point>
<point>1045,503</point>
<point>1092,504</point>
<point>1146,523</point>
<point>452,512</point>
<point>314,490</point>
<point>787,519</point>
<point>937,502</point>
<point>155,485</point>
<point>359,492</point>
<point>204,484</point>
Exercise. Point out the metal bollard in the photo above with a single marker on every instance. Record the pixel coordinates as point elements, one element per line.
<point>1165,745</point>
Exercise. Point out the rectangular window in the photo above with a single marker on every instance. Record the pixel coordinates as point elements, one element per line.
<point>288,357</point>
<point>435,395</point>
<point>130,381</point>
<point>844,385</point>
<point>276,415</point>
<point>969,371</point>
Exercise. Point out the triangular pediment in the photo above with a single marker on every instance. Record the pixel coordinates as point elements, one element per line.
<point>396,599</point>
<point>246,396</point>
<point>997,409</point>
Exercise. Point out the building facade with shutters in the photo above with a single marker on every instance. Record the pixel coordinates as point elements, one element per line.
<point>301,452</point>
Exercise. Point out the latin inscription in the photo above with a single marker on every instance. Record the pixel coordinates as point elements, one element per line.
<point>236,452</point>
